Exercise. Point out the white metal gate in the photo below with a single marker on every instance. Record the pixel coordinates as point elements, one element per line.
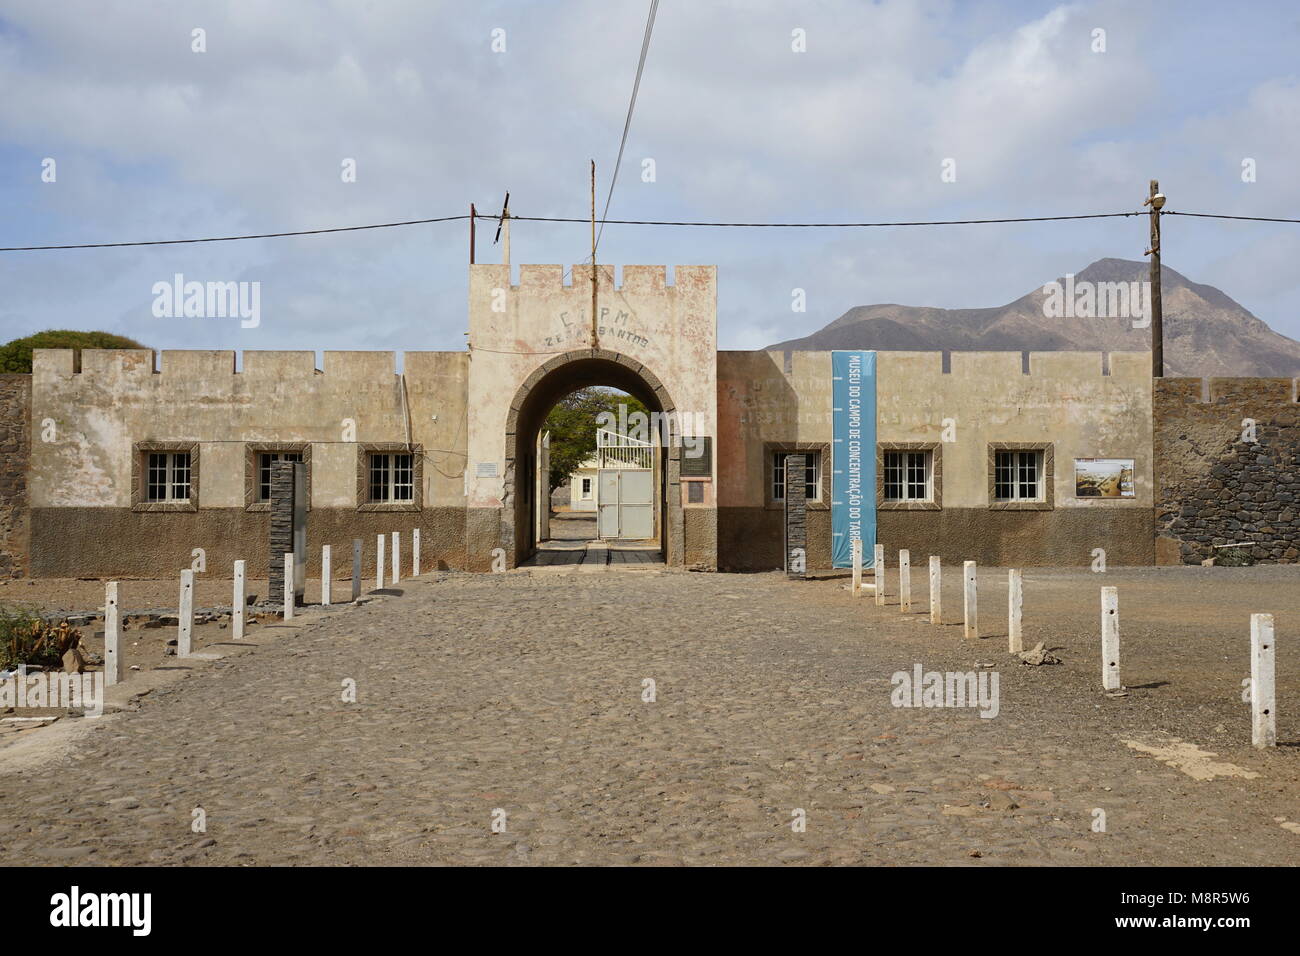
<point>627,508</point>
<point>623,451</point>
<point>625,486</point>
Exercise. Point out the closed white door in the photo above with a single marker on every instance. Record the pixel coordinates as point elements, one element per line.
<point>607,485</point>
<point>636,514</point>
<point>627,507</point>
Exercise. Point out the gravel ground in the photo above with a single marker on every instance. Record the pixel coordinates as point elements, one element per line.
<point>523,693</point>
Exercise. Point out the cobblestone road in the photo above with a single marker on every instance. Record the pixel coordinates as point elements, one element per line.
<point>523,692</point>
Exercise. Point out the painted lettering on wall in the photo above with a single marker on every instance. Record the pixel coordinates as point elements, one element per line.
<point>610,324</point>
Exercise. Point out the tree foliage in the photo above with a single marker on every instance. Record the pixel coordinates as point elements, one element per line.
<point>572,424</point>
<point>16,356</point>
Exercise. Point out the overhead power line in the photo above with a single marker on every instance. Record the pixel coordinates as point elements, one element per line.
<point>627,123</point>
<point>264,235</point>
<point>1210,215</point>
<point>637,222</point>
<point>824,225</point>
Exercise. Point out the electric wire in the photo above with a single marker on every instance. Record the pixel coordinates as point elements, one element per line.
<point>645,222</point>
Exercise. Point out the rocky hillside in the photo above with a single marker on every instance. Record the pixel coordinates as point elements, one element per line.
<point>1206,331</point>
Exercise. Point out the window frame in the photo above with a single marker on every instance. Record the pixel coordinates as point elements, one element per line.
<point>812,459</point>
<point>1046,476</point>
<point>141,469</point>
<point>823,484</point>
<point>1021,471</point>
<point>390,468</point>
<point>365,451</point>
<point>934,478</point>
<point>253,452</point>
<point>169,465</point>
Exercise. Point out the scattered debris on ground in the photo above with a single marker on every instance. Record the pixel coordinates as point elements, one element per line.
<point>1038,654</point>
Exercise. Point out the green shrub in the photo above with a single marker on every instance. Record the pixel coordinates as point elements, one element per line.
<point>16,356</point>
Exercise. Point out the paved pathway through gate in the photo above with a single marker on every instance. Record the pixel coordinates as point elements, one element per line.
<point>574,543</point>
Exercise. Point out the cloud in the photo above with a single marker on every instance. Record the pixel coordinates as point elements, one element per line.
<point>156,141</point>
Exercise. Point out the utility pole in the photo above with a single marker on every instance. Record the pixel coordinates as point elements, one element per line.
<point>472,215</point>
<point>1156,201</point>
<point>503,225</point>
<point>594,342</point>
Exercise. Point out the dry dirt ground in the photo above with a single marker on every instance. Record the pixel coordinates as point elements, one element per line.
<point>74,594</point>
<point>144,645</point>
<point>518,699</point>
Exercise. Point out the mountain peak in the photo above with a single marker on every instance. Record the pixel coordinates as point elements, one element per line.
<point>1206,331</point>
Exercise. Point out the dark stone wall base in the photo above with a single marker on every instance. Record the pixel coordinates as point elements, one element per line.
<point>483,536</point>
<point>1064,537</point>
<point>117,542</point>
<point>749,539</point>
<point>700,530</point>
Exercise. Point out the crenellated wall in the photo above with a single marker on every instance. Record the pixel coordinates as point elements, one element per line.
<point>1228,453</point>
<point>650,334</point>
<point>658,337</point>
<point>70,502</point>
<point>1079,404</point>
<point>81,481</point>
<point>1075,404</point>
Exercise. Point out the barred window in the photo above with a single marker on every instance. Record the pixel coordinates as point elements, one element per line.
<point>392,477</point>
<point>908,476</point>
<point>812,475</point>
<point>1018,476</point>
<point>264,460</point>
<point>168,476</point>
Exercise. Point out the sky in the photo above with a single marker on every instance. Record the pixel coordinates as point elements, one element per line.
<point>151,139</point>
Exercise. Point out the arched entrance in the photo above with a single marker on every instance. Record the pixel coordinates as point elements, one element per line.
<point>535,397</point>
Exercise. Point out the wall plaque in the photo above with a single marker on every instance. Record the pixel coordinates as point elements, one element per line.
<point>697,457</point>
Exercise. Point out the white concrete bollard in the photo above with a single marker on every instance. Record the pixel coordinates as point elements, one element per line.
<point>905,581</point>
<point>936,590</point>
<point>112,636</point>
<point>855,548</point>
<point>1015,605</point>
<point>1110,639</point>
<point>879,567</point>
<point>288,585</point>
<point>356,569</point>
<point>238,601</point>
<point>415,553</point>
<point>325,578</point>
<point>397,557</point>
<point>970,606</point>
<point>379,563</point>
<point>1263,693</point>
<point>185,618</point>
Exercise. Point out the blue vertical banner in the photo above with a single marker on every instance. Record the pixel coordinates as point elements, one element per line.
<point>853,456</point>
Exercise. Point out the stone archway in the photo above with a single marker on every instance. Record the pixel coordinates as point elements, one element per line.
<point>546,385</point>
